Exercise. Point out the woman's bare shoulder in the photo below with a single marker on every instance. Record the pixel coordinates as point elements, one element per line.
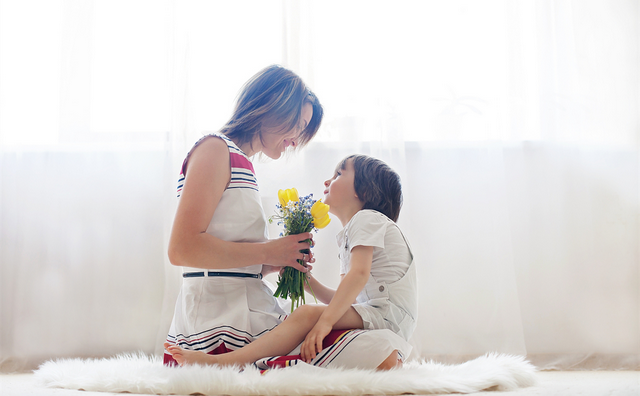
<point>210,151</point>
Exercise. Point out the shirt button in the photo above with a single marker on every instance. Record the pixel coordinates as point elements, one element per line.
<point>381,288</point>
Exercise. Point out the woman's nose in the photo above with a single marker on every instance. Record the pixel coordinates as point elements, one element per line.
<point>294,143</point>
<point>327,182</point>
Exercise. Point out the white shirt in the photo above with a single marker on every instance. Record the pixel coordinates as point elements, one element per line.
<point>389,300</point>
<point>391,256</point>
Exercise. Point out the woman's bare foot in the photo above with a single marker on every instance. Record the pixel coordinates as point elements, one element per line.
<point>185,357</point>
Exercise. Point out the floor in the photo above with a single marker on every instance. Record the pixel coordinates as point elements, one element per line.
<point>552,383</point>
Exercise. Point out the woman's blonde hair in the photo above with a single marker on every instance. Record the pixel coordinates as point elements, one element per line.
<point>273,97</point>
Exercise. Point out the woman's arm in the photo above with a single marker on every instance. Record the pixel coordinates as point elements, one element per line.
<point>208,175</point>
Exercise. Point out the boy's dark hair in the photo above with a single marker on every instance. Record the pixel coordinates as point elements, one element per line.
<point>273,97</point>
<point>376,184</point>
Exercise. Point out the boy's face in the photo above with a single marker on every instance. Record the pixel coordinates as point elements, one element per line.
<point>339,190</point>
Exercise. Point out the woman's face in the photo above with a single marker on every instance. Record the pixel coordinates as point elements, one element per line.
<point>275,143</point>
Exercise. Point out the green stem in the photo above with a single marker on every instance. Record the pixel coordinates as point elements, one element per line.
<point>306,279</point>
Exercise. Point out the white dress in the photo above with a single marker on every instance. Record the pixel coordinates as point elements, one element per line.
<point>389,299</point>
<point>218,314</point>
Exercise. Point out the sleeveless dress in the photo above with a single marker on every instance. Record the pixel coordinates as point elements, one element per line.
<point>219,314</point>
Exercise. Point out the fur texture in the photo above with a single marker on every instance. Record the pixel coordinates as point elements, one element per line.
<point>138,373</point>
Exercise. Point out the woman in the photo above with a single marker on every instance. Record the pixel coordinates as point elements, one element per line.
<point>219,233</point>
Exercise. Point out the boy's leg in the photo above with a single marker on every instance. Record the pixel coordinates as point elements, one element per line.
<point>392,361</point>
<point>281,340</point>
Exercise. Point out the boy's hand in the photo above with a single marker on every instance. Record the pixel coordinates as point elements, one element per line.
<point>312,343</point>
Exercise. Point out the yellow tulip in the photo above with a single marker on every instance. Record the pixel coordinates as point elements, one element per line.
<point>322,222</point>
<point>293,195</point>
<point>290,194</point>
<point>282,197</point>
<point>319,210</point>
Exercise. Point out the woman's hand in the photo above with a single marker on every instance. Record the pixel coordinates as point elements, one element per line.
<point>312,344</point>
<point>285,251</point>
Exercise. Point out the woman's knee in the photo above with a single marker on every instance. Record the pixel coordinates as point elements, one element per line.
<point>392,361</point>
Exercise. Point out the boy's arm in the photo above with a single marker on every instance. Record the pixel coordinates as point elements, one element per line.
<point>351,285</point>
<point>336,313</point>
<point>323,293</point>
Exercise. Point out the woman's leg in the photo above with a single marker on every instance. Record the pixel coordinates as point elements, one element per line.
<point>279,341</point>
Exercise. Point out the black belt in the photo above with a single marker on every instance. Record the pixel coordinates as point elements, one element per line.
<point>229,274</point>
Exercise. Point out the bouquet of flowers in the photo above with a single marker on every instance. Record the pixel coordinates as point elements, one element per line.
<point>298,214</point>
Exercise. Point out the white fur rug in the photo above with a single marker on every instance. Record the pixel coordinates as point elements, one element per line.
<point>143,374</point>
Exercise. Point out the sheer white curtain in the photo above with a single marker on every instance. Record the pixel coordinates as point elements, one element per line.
<point>514,126</point>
